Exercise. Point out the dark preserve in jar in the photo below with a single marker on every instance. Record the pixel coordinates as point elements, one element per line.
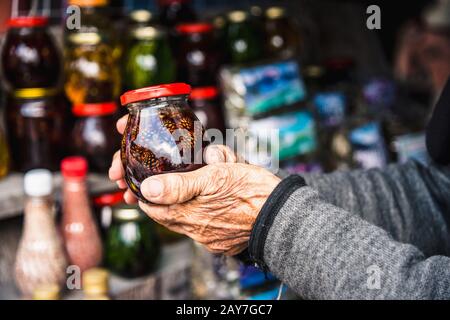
<point>197,54</point>
<point>173,12</point>
<point>36,121</point>
<point>205,101</point>
<point>30,58</point>
<point>162,134</point>
<point>94,134</point>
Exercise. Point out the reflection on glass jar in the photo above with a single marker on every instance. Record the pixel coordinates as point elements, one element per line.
<point>162,134</point>
<point>36,121</point>
<point>30,57</point>
<point>132,248</point>
<point>94,134</point>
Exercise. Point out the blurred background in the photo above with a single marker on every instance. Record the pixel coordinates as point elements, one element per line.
<point>343,96</point>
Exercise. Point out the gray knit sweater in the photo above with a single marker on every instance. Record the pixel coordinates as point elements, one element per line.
<point>377,234</point>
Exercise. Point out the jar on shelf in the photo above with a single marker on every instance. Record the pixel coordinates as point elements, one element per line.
<point>37,124</point>
<point>148,59</point>
<point>92,73</point>
<point>30,57</point>
<point>94,134</point>
<point>206,103</point>
<point>197,54</point>
<point>244,43</point>
<point>131,246</point>
<point>283,41</point>
<point>162,134</point>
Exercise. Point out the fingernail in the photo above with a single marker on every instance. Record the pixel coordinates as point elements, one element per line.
<point>152,187</point>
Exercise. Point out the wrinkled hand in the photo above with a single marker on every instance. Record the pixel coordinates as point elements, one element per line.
<point>215,205</point>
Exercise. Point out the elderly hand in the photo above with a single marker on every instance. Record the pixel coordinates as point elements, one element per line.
<point>215,205</point>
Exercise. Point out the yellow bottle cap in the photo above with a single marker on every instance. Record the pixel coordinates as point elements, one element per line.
<point>95,282</point>
<point>46,292</point>
<point>88,3</point>
<point>237,16</point>
<point>275,12</point>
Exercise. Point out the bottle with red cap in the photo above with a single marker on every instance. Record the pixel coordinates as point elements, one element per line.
<point>173,12</point>
<point>206,103</point>
<point>94,134</point>
<point>30,58</point>
<point>162,134</point>
<point>80,232</point>
<point>198,57</point>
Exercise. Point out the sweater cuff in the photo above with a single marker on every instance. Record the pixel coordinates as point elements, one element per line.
<point>267,215</point>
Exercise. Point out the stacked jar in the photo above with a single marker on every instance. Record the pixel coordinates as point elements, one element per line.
<point>198,62</point>
<point>92,84</point>
<point>36,111</point>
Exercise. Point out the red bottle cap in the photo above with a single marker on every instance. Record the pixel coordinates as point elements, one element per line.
<point>164,90</point>
<point>94,109</point>
<point>74,167</point>
<point>27,22</point>
<point>187,28</point>
<point>204,93</point>
<point>109,199</point>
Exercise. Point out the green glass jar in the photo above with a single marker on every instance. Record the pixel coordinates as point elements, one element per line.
<point>148,60</point>
<point>132,248</point>
<point>244,41</point>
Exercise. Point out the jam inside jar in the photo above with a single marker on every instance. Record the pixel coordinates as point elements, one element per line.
<point>162,135</point>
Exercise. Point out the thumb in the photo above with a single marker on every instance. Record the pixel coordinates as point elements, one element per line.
<point>175,188</point>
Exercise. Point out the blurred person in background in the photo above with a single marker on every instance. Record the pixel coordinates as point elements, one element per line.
<point>423,50</point>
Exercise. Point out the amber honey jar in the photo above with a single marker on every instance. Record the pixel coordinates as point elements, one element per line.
<point>162,134</point>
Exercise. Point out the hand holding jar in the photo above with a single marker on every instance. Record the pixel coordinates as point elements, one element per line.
<point>216,204</point>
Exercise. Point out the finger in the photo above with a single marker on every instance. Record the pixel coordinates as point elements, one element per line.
<point>129,197</point>
<point>121,184</point>
<point>219,154</point>
<point>116,171</point>
<point>173,188</point>
<point>121,124</point>
<point>159,213</point>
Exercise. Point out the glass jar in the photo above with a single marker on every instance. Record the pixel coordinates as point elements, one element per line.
<point>92,71</point>
<point>30,57</point>
<point>162,134</point>
<point>94,134</point>
<point>131,247</point>
<point>36,122</point>
<point>206,104</point>
<point>282,40</point>
<point>244,42</point>
<point>148,60</point>
<point>173,12</point>
<point>197,54</point>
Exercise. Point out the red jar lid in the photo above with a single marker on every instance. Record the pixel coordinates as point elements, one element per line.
<point>109,199</point>
<point>74,167</point>
<point>153,92</point>
<point>204,93</point>
<point>94,109</point>
<point>187,28</point>
<point>27,22</point>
